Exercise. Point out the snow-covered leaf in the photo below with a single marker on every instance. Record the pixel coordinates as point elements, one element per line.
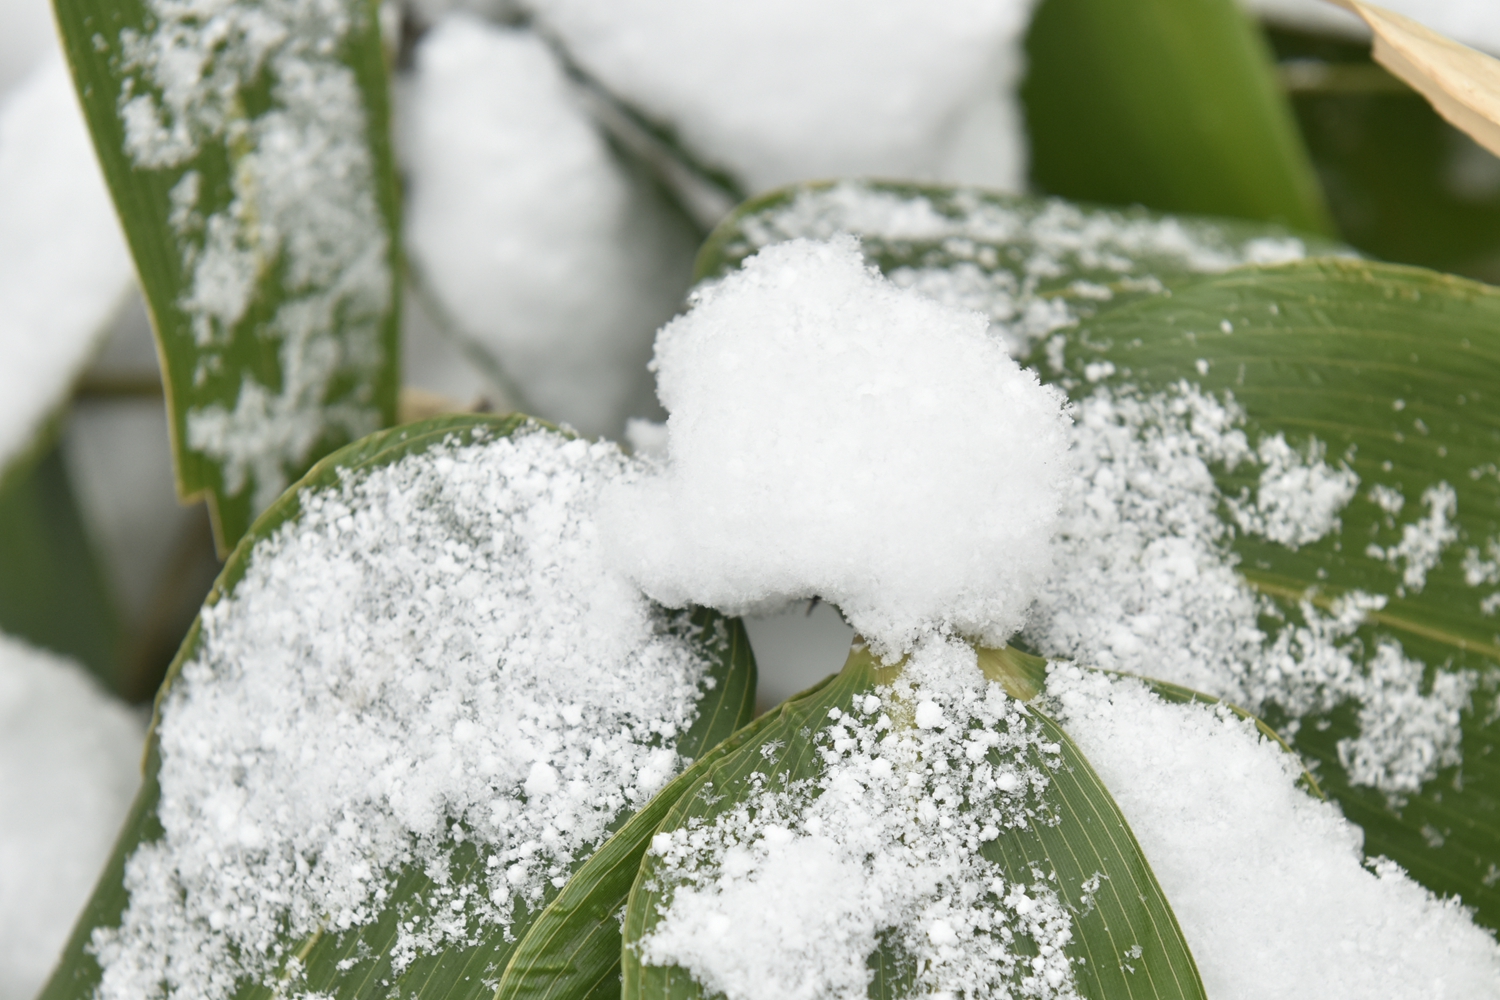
<point>781,871</point>
<point>1033,266</point>
<point>1172,104</point>
<point>1361,507</point>
<point>572,950</point>
<point>246,148</point>
<point>427,702</point>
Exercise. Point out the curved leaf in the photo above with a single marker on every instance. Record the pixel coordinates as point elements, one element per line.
<point>572,950</point>
<point>1088,856</point>
<point>248,154</point>
<point>1170,104</point>
<point>1034,265</point>
<point>1393,369</point>
<point>353,962</point>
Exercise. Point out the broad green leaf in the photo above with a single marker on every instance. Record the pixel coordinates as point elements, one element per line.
<point>1170,104</point>
<point>1088,856</point>
<point>1033,265</point>
<point>53,591</point>
<point>353,962</point>
<point>1394,370</point>
<point>248,154</point>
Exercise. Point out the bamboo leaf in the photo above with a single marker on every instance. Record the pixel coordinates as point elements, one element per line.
<point>1087,856</point>
<point>572,950</point>
<point>373,955</point>
<point>1461,83</point>
<point>1035,266</point>
<point>1170,104</point>
<point>53,591</point>
<point>247,153</point>
<point>1393,369</point>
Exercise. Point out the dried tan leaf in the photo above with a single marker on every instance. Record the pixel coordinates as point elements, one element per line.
<point>1462,84</point>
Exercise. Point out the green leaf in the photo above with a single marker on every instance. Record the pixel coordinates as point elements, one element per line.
<point>1089,845</point>
<point>572,951</point>
<point>1395,369</point>
<point>1034,265</point>
<point>53,590</point>
<point>1170,104</point>
<point>248,155</point>
<point>353,962</point>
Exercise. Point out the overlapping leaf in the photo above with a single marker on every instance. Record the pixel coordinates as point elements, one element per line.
<point>1170,104</point>
<point>1089,847</point>
<point>353,962</point>
<point>247,152</point>
<point>1394,370</point>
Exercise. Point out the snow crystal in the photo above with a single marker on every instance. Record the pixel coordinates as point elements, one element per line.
<point>1145,583</point>
<point>1422,542</point>
<point>434,651</point>
<point>1298,498</point>
<point>1005,259</point>
<point>547,252</point>
<point>785,90</point>
<point>832,435</point>
<point>1254,867</point>
<point>303,204</point>
<point>64,269</point>
<point>787,894</point>
<point>70,759</point>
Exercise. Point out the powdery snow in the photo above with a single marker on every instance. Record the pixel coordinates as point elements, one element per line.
<point>1146,583</point>
<point>544,248</point>
<point>832,435</point>
<point>1268,884</point>
<point>303,203</point>
<point>433,651</point>
<point>64,269</point>
<point>785,90</point>
<point>787,894</point>
<point>70,763</point>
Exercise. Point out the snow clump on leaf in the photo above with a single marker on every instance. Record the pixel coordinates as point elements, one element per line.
<point>833,435</point>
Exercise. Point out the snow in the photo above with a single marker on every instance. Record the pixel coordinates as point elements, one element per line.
<point>548,252</point>
<point>69,767</point>
<point>64,269</point>
<point>1299,496</point>
<point>303,200</point>
<point>786,90</point>
<point>433,652</point>
<point>1146,583</point>
<point>833,435</point>
<point>788,892</point>
<point>1268,884</point>
<point>1475,23</point>
<point>26,38</point>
